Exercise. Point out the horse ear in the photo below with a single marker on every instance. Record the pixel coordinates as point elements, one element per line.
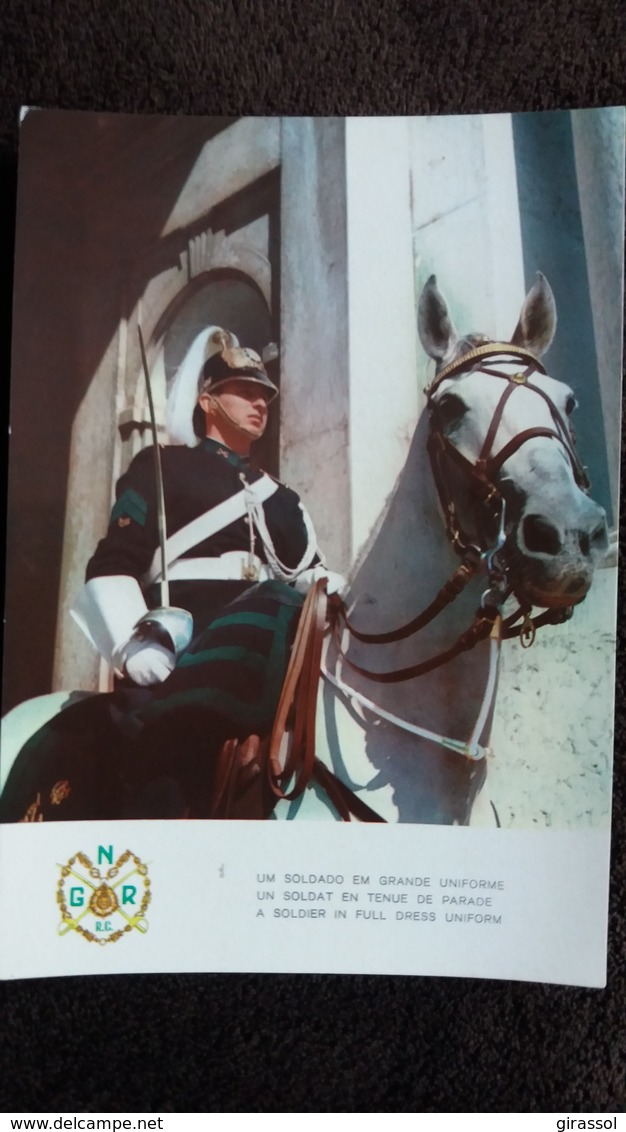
<point>436,330</point>
<point>537,320</point>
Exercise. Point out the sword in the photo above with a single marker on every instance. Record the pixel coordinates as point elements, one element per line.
<point>176,623</point>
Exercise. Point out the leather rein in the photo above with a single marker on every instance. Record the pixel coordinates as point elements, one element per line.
<point>296,716</point>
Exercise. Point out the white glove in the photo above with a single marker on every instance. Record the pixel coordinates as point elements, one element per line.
<point>335,583</point>
<point>107,609</point>
<point>146,662</point>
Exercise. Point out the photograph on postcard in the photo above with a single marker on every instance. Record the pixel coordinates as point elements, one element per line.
<point>314,469</point>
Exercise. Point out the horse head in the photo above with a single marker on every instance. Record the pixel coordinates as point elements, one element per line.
<point>502,448</point>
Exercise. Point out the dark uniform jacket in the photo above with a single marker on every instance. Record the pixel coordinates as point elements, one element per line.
<point>153,752</point>
<point>195,480</point>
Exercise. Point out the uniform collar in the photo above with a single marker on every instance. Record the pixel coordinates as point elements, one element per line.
<point>242,463</point>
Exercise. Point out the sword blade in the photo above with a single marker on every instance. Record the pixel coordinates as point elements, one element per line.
<point>158,472</point>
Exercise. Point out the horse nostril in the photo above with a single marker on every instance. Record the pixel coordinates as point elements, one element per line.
<point>597,540</point>
<point>599,537</point>
<point>540,536</point>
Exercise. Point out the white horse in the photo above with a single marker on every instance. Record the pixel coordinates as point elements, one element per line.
<point>526,501</point>
<point>515,506</point>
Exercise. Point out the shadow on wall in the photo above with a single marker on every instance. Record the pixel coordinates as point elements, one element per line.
<point>73,255</point>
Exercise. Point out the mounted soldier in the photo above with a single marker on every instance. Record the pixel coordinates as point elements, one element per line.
<point>185,733</point>
<point>206,670</point>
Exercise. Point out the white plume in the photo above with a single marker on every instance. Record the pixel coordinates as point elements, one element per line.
<point>185,387</point>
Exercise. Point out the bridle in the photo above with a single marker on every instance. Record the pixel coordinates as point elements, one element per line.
<point>480,476</point>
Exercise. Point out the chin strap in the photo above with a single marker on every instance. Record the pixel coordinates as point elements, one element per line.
<point>219,408</point>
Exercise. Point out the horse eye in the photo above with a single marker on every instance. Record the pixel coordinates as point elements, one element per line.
<point>449,410</point>
<point>570,405</point>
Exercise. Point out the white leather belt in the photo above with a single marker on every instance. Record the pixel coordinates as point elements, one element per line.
<point>212,521</point>
<point>234,566</point>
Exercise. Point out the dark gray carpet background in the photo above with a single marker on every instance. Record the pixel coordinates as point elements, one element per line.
<point>283,1043</point>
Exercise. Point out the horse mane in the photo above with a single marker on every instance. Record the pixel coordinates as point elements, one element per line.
<point>463,346</point>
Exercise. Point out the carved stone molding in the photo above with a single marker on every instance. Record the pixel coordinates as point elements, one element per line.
<point>211,251</point>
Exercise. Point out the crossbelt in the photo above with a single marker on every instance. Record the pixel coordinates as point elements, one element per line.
<point>229,567</point>
<point>212,521</point>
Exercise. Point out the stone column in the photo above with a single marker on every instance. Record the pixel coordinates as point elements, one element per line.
<point>314,457</point>
<point>599,154</point>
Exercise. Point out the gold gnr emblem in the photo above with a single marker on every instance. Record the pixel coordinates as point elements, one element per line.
<point>104,901</point>
<point>104,904</point>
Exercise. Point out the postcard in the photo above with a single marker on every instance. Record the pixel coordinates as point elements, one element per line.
<point>312,554</point>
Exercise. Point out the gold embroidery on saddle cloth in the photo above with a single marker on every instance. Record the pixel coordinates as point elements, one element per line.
<point>31,813</point>
<point>60,791</point>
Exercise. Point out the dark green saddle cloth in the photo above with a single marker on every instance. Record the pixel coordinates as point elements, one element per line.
<point>151,752</point>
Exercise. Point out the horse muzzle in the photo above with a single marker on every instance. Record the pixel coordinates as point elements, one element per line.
<point>553,561</point>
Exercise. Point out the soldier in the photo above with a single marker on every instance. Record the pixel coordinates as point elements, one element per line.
<point>265,532</point>
<point>241,553</point>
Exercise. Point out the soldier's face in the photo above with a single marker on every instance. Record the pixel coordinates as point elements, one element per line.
<point>246,405</point>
